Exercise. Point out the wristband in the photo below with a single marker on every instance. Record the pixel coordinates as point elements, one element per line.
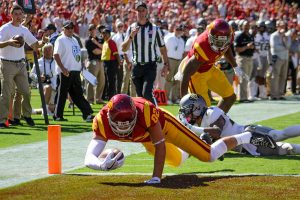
<point>160,141</point>
<point>130,37</point>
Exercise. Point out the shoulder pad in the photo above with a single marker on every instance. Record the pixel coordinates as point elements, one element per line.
<point>213,113</point>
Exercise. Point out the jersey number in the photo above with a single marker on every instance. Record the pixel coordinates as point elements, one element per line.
<point>155,115</point>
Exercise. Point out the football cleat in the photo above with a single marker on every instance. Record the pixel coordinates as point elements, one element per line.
<point>258,139</point>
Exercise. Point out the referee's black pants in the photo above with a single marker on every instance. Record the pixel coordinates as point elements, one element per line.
<point>71,85</point>
<point>143,77</point>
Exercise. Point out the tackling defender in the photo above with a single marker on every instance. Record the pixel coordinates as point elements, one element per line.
<point>197,71</point>
<point>136,119</point>
<point>193,112</point>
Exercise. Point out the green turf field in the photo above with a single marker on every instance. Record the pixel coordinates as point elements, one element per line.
<point>234,178</point>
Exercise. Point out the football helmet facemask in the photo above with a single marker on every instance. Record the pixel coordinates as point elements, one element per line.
<point>219,35</point>
<point>191,107</point>
<point>122,115</point>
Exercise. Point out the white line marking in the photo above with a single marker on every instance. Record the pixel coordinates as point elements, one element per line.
<point>173,174</point>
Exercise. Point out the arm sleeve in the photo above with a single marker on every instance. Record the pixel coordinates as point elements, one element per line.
<point>160,37</point>
<point>29,38</point>
<point>58,47</point>
<point>93,151</point>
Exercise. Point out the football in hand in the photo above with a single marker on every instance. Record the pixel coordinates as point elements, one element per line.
<point>107,151</point>
<point>20,39</point>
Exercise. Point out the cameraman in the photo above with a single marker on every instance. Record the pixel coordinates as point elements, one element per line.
<point>48,75</point>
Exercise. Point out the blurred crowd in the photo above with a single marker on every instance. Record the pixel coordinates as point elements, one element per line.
<point>171,12</point>
<point>182,19</point>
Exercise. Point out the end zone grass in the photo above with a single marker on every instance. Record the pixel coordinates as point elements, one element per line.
<point>75,187</point>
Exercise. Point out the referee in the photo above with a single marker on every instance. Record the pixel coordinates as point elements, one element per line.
<point>143,36</point>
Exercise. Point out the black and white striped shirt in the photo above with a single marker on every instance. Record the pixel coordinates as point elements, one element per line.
<point>144,43</point>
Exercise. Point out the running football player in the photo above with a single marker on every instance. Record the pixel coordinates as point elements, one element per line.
<point>197,71</point>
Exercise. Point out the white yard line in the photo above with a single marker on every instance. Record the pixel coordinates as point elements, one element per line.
<point>187,174</point>
<point>22,163</point>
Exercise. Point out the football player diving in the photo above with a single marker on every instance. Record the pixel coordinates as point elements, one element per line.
<point>204,120</point>
<point>134,119</point>
<point>197,72</point>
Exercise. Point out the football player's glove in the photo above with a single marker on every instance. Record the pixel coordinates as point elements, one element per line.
<point>110,162</point>
<point>153,180</point>
<point>119,162</point>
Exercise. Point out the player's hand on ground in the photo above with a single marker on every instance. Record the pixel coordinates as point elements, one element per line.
<point>107,162</point>
<point>118,162</point>
<point>153,180</point>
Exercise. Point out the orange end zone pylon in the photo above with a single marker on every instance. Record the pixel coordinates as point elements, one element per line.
<point>54,149</point>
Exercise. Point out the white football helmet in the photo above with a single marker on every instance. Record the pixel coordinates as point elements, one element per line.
<point>191,107</point>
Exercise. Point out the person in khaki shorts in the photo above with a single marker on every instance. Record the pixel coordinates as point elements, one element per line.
<point>12,64</point>
<point>93,44</point>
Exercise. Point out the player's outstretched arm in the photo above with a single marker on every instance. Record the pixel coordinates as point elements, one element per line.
<point>94,149</point>
<point>158,141</point>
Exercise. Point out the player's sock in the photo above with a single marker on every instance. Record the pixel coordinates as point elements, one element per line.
<point>292,131</point>
<point>218,148</point>
<point>296,149</point>
<point>243,138</point>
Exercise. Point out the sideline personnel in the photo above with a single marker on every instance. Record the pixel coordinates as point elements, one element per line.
<point>12,64</point>
<point>144,36</point>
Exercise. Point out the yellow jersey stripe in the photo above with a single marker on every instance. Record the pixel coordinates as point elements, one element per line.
<point>187,132</point>
<point>147,114</point>
<point>200,51</point>
<point>100,125</point>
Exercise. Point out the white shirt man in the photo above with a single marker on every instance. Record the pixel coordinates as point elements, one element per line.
<point>69,51</point>
<point>12,64</point>
<point>8,31</point>
<point>119,36</point>
<point>47,67</point>
<point>67,57</point>
<point>175,51</point>
<point>175,46</point>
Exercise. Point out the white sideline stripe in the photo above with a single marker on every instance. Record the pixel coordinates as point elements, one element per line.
<point>188,174</point>
<point>27,162</point>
